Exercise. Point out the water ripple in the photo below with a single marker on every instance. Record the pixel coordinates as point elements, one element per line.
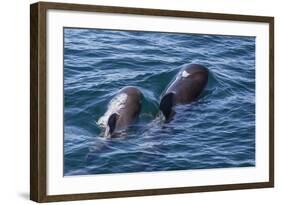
<point>217,131</point>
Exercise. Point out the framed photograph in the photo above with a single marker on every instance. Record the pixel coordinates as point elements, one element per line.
<point>134,102</point>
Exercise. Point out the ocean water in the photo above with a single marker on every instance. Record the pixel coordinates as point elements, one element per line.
<point>215,131</point>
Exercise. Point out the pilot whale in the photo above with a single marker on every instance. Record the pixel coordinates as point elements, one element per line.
<point>185,88</point>
<point>122,111</point>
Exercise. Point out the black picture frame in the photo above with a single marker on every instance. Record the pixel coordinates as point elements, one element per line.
<point>38,100</point>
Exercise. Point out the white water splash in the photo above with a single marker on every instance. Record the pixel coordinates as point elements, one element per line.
<point>117,103</point>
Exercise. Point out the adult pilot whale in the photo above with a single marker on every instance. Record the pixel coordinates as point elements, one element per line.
<point>122,111</point>
<point>186,87</point>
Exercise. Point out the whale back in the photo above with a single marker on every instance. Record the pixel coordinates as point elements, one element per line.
<point>120,118</point>
<point>186,87</point>
<point>130,111</point>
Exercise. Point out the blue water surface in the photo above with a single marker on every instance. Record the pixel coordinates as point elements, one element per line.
<point>216,131</point>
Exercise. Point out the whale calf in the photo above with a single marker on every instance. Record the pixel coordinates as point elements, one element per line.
<point>122,111</point>
<point>184,89</point>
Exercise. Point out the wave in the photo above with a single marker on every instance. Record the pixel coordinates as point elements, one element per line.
<point>216,131</point>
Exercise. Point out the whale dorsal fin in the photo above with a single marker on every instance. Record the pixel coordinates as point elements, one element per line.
<point>112,122</point>
<point>166,105</point>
